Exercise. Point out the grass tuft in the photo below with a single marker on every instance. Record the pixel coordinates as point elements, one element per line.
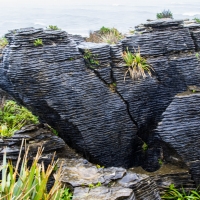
<point>137,65</point>
<point>165,14</point>
<point>3,42</point>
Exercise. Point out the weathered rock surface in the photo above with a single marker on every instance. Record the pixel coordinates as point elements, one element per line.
<point>35,136</point>
<point>110,126</point>
<point>90,182</point>
<point>179,128</point>
<point>55,84</point>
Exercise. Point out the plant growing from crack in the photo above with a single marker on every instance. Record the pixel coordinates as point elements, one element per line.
<point>90,59</point>
<point>197,56</point>
<point>38,42</point>
<point>137,65</point>
<point>144,146</point>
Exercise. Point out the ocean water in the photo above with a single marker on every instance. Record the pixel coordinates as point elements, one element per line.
<point>78,18</point>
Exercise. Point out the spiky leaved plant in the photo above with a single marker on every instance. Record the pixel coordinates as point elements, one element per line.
<point>165,14</point>
<point>29,183</point>
<point>137,65</point>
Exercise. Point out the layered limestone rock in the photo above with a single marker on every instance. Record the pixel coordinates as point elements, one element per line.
<point>88,101</point>
<point>54,82</point>
<point>179,128</point>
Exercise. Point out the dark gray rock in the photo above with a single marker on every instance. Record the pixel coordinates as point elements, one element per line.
<point>53,81</point>
<point>179,128</point>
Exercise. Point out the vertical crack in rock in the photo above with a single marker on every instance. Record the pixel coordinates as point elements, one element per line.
<point>53,81</point>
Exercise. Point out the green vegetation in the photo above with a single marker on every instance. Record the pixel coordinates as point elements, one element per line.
<point>13,117</point>
<point>197,56</point>
<point>106,35</point>
<point>160,162</point>
<point>99,166</point>
<point>144,146</point>
<point>197,20</point>
<point>66,195</point>
<point>91,186</point>
<point>104,30</point>
<point>175,194</point>
<point>30,182</point>
<point>165,14</point>
<point>53,27</point>
<point>90,59</point>
<point>3,42</point>
<point>38,42</point>
<point>137,65</point>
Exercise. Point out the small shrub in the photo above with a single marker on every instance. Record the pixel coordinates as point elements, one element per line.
<point>173,193</point>
<point>13,117</point>
<point>197,20</point>
<point>137,65</point>
<point>106,35</point>
<point>3,42</point>
<point>38,42</point>
<point>30,182</point>
<point>53,27</point>
<point>104,30</point>
<point>165,14</point>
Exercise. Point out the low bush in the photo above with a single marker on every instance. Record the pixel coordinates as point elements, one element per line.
<point>90,59</point>
<point>53,27</point>
<point>197,20</point>
<point>31,182</point>
<point>13,117</point>
<point>137,65</point>
<point>165,14</point>
<point>105,35</point>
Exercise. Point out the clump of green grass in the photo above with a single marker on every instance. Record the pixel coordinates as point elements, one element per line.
<point>165,14</point>
<point>173,193</point>
<point>137,65</point>
<point>31,182</point>
<point>144,146</point>
<point>3,42</point>
<point>90,59</point>
<point>13,117</point>
<point>38,42</point>
<point>53,27</point>
<point>106,35</point>
<point>197,20</point>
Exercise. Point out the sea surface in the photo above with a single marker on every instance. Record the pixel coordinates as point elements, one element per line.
<point>81,18</point>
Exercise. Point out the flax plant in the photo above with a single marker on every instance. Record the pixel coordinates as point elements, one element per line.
<point>137,65</point>
<point>29,183</point>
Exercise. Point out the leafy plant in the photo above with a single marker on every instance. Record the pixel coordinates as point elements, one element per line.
<point>104,30</point>
<point>38,42</point>
<point>173,193</point>
<point>106,35</point>
<point>90,59</point>
<point>197,56</point>
<point>99,166</point>
<point>66,195</point>
<point>91,186</point>
<point>53,27</point>
<point>137,65</point>
<point>144,146</point>
<point>3,42</point>
<point>13,117</point>
<point>165,14</point>
<point>30,183</point>
<point>160,162</point>
<point>197,20</point>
